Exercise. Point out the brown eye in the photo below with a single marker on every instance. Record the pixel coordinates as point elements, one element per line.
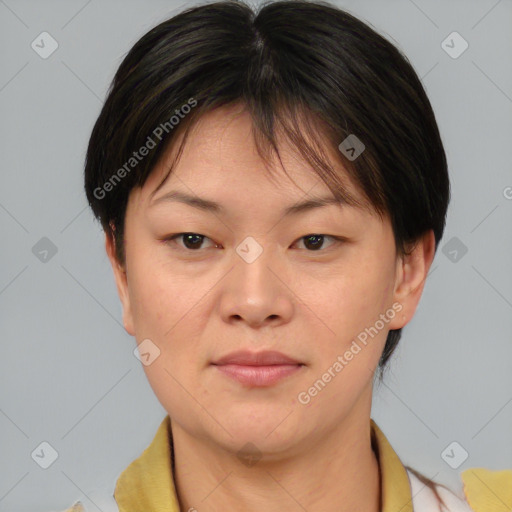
<point>191,241</point>
<point>315,242</point>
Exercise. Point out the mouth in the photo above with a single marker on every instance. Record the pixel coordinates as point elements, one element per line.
<point>257,369</point>
<point>258,376</point>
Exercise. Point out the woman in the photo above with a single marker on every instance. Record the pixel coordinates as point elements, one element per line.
<point>273,188</point>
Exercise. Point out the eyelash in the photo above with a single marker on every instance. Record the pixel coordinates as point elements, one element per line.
<point>171,239</point>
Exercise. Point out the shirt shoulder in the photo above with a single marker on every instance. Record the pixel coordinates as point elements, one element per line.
<point>488,490</point>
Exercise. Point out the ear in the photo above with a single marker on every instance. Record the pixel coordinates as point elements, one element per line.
<point>410,276</point>
<point>121,283</point>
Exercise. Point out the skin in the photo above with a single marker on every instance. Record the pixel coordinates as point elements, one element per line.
<point>197,305</point>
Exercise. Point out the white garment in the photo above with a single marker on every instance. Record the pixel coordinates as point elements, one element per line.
<point>425,500</point>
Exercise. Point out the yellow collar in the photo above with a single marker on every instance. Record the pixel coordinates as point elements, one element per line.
<point>148,484</point>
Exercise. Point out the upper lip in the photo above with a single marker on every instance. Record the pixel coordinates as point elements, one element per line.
<point>262,358</point>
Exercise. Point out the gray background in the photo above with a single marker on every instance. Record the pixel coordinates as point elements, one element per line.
<point>68,375</point>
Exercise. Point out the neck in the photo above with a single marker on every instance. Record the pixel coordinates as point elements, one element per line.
<point>337,472</point>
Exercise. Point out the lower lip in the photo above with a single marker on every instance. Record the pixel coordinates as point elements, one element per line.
<point>258,375</point>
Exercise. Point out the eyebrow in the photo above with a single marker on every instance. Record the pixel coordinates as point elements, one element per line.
<point>210,206</point>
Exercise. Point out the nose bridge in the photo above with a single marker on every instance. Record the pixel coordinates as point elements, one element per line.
<point>255,255</point>
<point>253,291</point>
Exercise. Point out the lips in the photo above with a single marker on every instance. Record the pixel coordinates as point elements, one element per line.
<point>262,358</point>
<point>257,369</point>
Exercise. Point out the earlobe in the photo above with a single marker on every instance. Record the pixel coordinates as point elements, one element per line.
<point>121,280</point>
<point>412,271</point>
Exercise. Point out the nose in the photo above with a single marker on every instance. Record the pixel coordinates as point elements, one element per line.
<point>257,292</point>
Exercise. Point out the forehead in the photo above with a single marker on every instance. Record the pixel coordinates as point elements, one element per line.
<point>220,160</point>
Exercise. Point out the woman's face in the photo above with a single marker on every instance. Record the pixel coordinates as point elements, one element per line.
<point>257,280</point>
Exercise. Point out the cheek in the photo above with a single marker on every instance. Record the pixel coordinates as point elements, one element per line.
<point>168,308</point>
<point>164,314</point>
<point>148,300</point>
<point>351,307</point>
<point>354,298</point>
<point>155,295</point>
